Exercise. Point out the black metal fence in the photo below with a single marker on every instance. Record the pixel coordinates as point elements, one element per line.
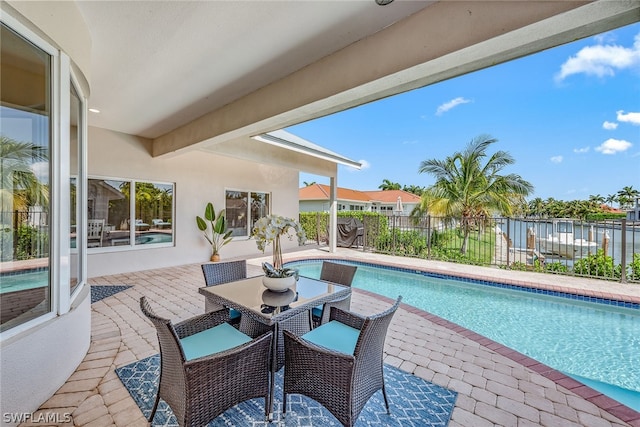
<point>599,249</point>
<point>24,235</point>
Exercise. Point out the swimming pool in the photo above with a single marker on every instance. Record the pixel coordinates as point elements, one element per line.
<point>24,280</point>
<point>595,343</point>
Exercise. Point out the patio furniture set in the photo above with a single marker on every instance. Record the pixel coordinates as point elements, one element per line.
<point>232,352</point>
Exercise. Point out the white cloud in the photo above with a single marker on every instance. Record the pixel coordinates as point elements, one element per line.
<point>609,125</point>
<point>41,171</point>
<point>451,104</point>
<point>581,150</point>
<point>601,60</point>
<point>365,165</point>
<point>633,118</point>
<point>411,142</point>
<point>613,146</point>
<point>556,159</point>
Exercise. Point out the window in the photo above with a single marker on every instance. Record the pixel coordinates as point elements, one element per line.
<point>25,122</point>
<point>110,204</point>
<point>75,142</point>
<point>243,209</point>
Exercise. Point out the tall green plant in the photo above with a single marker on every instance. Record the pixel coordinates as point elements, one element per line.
<point>217,235</point>
<point>469,186</point>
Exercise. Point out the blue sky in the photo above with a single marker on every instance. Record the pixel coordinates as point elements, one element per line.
<point>570,117</point>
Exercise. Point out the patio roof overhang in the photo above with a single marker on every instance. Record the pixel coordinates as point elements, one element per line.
<point>286,140</point>
<point>376,67</point>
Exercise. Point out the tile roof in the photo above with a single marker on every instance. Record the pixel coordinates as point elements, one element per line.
<point>321,192</point>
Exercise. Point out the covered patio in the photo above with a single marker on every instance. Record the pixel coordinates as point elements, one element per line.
<point>495,385</point>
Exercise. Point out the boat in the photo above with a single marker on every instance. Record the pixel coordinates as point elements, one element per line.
<point>561,242</point>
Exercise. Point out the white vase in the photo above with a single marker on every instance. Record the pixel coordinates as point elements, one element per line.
<point>278,299</point>
<point>278,284</point>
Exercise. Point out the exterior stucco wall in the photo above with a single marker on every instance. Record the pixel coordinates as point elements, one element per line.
<point>37,362</point>
<point>314,206</point>
<point>199,177</point>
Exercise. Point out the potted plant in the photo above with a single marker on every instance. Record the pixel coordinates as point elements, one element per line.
<point>218,235</point>
<point>270,229</point>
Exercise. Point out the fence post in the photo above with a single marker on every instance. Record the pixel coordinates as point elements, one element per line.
<point>507,241</point>
<point>623,251</point>
<point>428,236</point>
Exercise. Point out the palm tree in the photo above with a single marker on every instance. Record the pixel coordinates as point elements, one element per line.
<point>611,199</point>
<point>537,207</point>
<point>627,195</point>
<point>414,189</point>
<point>468,189</point>
<point>388,185</point>
<point>308,184</point>
<point>19,185</point>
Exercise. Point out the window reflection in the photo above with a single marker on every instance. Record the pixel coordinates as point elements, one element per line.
<point>242,215</point>
<point>108,213</point>
<point>111,222</point>
<point>154,213</point>
<point>74,159</point>
<point>25,111</point>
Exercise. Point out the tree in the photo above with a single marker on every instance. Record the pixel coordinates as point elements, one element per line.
<point>537,207</point>
<point>626,196</point>
<point>388,185</point>
<point>308,184</point>
<point>20,187</point>
<point>466,188</point>
<point>414,189</point>
<point>611,199</point>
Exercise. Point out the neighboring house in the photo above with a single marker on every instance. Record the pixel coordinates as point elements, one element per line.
<point>315,198</point>
<point>633,214</point>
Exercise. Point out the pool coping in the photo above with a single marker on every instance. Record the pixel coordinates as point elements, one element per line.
<point>600,400</point>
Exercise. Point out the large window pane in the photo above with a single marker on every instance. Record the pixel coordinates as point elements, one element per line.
<point>25,119</point>
<point>259,207</point>
<point>74,162</point>
<point>112,223</point>
<point>108,213</point>
<point>236,212</point>
<point>154,213</point>
<point>242,215</point>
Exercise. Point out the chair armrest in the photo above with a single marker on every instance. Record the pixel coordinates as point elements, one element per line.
<point>200,323</point>
<point>349,318</point>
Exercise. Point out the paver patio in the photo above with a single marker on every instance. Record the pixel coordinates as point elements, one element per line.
<point>496,386</point>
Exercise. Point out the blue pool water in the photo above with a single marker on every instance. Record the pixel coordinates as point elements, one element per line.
<point>595,343</point>
<point>27,280</point>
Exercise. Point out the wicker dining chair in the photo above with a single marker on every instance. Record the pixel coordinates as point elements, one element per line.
<point>339,364</point>
<point>207,366</point>
<point>341,274</point>
<point>218,273</point>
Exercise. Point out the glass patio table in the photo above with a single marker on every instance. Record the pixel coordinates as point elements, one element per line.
<point>264,310</point>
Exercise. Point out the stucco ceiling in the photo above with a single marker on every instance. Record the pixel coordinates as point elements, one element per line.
<point>157,65</point>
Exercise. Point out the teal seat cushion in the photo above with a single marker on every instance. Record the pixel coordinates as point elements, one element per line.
<point>334,336</point>
<point>214,340</point>
<point>234,314</point>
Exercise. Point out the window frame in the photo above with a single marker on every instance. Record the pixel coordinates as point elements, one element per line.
<point>250,220</point>
<point>58,301</point>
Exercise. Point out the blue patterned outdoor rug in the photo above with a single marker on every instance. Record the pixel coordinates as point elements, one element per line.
<point>99,292</point>
<point>413,402</point>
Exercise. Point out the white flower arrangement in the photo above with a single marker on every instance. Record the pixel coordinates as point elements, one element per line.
<point>269,229</point>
